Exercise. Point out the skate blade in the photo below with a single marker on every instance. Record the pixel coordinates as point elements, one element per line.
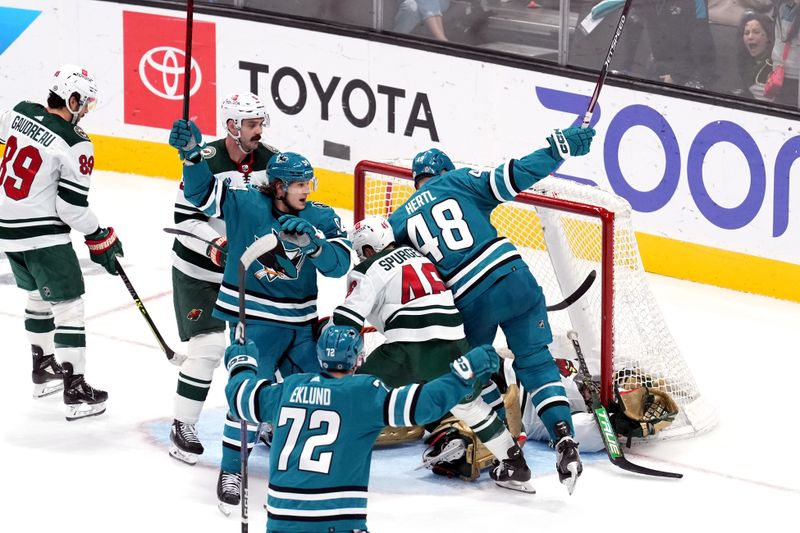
<point>450,453</point>
<point>42,390</point>
<point>83,410</point>
<point>520,486</point>
<point>570,481</point>
<point>182,456</point>
<point>225,508</point>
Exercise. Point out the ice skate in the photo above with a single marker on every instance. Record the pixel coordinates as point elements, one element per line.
<point>445,447</point>
<point>47,374</point>
<point>186,446</point>
<point>80,398</point>
<point>513,473</point>
<point>229,488</point>
<point>568,460</point>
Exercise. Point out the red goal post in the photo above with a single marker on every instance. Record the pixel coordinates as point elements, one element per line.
<point>622,332</point>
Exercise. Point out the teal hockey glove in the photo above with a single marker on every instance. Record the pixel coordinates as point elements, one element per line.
<point>239,357</point>
<point>104,247</point>
<point>186,137</point>
<point>571,141</point>
<point>301,233</point>
<point>477,364</point>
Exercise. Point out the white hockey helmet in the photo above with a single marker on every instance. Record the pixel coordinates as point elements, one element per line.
<point>72,79</point>
<point>238,107</point>
<point>374,232</point>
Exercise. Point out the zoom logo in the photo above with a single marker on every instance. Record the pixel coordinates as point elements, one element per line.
<point>161,70</point>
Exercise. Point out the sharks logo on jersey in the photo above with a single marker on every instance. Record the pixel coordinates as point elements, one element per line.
<point>280,263</point>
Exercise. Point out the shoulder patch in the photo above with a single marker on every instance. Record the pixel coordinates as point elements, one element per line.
<point>208,152</point>
<point>320,205</point>
<point>81,133</point>
<point>270,148</point>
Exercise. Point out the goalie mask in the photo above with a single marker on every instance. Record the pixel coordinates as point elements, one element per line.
<point>72,80</point>
<point>238,107</point>
<point>340,348</point>
<point>430,163</point>
<point>374,232</point>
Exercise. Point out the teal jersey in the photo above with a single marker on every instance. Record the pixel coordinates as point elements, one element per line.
<point>324,431</point>
<point>447,219</point>
<point>281,286</point>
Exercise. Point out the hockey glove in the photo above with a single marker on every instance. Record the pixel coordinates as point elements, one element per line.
<point>217,251</point>
<point>571,141</point>
<point>301,233</point>
<point>104,247</point>
<point>476,365</point>
<point>239,357</point>
<point>186,137</point>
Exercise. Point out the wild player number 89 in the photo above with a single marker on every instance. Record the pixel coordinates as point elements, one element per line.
<point>24,169</point>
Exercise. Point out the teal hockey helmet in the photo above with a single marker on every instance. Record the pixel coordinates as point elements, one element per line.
<point>430,163</point>
<point>340,348</point>
<point>289,167</point>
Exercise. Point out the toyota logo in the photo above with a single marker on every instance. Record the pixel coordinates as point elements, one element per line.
<point>168,62</point>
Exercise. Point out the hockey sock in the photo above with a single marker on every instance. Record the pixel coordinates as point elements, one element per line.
<point>194,378</point>
<point>70,334</point>
<point>39,323</point>
<point>231,444</point>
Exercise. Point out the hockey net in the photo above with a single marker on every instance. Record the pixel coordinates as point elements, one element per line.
<point>620,327</point>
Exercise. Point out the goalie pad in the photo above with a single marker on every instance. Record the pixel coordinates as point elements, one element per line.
<point>643,412</point>
<point>476,456</point>
<point>392,435</point>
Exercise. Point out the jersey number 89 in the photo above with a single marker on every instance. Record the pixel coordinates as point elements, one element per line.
<point>452,227</point>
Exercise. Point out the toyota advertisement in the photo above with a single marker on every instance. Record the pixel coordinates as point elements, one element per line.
<point>716,183</point>
<point>154,63</point>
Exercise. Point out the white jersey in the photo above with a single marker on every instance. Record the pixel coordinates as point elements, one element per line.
<point>188,253</point>
<point>400,292</point>
<point>44,179</point>
<point>587,433</point>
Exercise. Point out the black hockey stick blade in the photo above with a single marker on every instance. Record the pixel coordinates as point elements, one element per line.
<point>174,358</point>
<point>610,440</point>
<point>176,231</point>
<point>572,298</point>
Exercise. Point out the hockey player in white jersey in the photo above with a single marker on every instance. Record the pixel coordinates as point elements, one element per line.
<point>398,291</point>
<point>45,176</point>
<point>198,263</point>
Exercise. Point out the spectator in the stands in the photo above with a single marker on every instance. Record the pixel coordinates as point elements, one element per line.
<point>430,12</point>
<point>680,42</point>
<point>756,34</point>
<point>787,24</point>
<point>725,17</point>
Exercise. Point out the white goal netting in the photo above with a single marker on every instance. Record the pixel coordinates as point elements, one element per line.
<point>566,230</point>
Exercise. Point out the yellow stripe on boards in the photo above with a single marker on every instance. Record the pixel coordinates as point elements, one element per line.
<point>660,255</point>
<point>713,266</point>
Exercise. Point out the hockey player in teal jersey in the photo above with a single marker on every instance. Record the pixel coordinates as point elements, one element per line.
<point>447,219</point>
<point>281,286</point>
<point>197,266</point>
<point>326,424</point>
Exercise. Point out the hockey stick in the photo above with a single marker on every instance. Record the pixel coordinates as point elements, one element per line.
<point>255,250</point>
<point>176,231</point>
<point>174,358</point>
<point>601,79</point>
<point>613,447</point>
<point>575,296</point>
<point>187,66</point>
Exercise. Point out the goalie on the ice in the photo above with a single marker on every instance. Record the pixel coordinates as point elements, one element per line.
<point>637,412</point>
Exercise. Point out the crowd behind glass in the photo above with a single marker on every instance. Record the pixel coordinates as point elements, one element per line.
<point>746,48</point>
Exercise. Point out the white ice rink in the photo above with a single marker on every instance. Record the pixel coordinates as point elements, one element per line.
<point>112,473</point>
